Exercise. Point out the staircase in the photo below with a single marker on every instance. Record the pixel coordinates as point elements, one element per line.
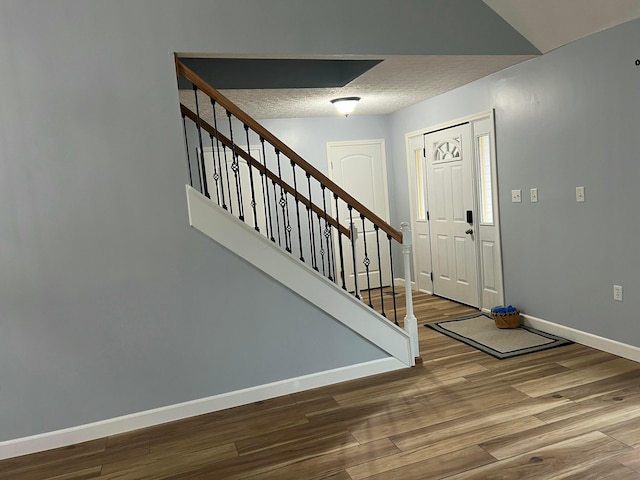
<point>254,195</point>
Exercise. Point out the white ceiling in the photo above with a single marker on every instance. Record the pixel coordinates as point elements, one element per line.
<point>401,81</point>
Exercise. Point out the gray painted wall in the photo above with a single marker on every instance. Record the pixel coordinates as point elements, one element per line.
<point>109,303</point>
<point>566,119</point>
<point>309,136</point>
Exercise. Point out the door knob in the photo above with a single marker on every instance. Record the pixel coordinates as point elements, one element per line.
<point>469,231</point>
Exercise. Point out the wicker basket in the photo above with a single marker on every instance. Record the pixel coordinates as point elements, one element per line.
<point>507,320</point>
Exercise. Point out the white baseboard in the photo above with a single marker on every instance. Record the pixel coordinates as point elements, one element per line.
<point>157,416</point>
<point>600,343</point>
<point>400,282</point>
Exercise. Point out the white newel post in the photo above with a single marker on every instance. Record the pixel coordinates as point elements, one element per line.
<point>410,320</point>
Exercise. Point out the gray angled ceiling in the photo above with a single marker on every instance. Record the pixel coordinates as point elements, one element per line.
<point>276,73</point>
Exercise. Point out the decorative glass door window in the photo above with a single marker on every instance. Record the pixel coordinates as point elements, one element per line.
<point>447,150</point>
<point>483,150</point>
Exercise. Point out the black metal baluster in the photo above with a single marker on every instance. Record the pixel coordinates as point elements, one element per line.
<point>285,209</point>
<point>328,236</point>
<point>201,168</point>
<point>322,252</point>
<point>312,232</point>
<point>216,177</point>
<point>377,229</point>
<point>253,193</point>
<point>236,170</point>
<point>226,169</point>
<point>340,248</point>
<point>332,251</point>
<point>186,145</point>
<point>356,291</point>
<point>276,203</point>
<point>393,286</point>
<point>217,154</point>
<point>265,192</point>
<point>275,195</point>
<point>295,189</point>
<point>366,260</point>
<point>265,200</point>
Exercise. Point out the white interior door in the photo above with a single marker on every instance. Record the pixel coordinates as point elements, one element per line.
<point>417,168</point>
<point>452,214</point>
<point>233,191</point>
<point>360,169</point>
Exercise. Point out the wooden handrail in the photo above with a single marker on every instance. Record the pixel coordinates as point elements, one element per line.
<point>196,80</point>
<point>262,169</point>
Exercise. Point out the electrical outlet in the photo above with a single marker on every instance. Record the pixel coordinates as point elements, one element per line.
<point>580,194</point>
<point>516,196</point>
<point>534,195</point>
<point>617,293</point>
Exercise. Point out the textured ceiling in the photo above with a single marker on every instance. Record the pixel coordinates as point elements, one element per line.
<point>395,83</point>
<point>400,81</point>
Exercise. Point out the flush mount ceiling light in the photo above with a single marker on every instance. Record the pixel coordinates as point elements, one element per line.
<point>345,105</point>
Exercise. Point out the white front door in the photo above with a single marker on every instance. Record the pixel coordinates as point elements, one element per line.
<point>452,214</point>
<point>359,168</point>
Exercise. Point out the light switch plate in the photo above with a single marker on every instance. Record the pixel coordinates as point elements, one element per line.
<point>580,194</point>
<point>534,195</point>
<point>516,196</point>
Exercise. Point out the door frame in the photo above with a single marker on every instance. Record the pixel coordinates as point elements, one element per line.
<point>411,139</point>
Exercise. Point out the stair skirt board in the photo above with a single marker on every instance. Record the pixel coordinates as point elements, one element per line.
<point>157,416</point>
<point>244,241</point>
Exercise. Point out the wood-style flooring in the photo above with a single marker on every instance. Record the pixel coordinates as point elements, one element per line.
<point>567,413</point>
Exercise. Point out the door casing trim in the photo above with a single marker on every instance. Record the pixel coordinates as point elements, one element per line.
<point>409,159</point>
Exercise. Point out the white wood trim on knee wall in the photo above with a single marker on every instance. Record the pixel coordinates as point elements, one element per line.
<point>170,413</point>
